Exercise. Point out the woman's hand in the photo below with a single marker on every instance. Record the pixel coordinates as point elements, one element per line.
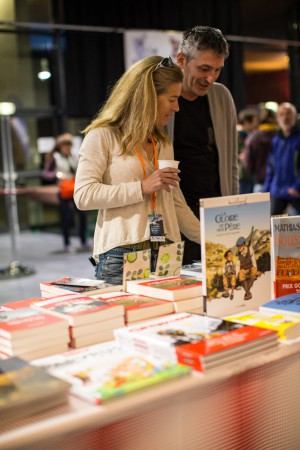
<point>161,179</point>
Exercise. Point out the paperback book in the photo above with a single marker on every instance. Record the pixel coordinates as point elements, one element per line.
<point>287,304</point>
<point>26,389</point>
<point>287,326</point>
<point>285,256</point>
<point>80,310</point>
<point>172,288</point>
<point>73,285</point>
<point>113,374</point>
<point>235,250</point>
<point>25,303</point>
<point>192,270</point>
<point>139,307</point>
<point>169,259</point>
<point>201,342</point>
<point>24,322</point>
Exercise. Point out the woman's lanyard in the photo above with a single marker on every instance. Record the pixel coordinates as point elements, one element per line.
<point>153,197</point>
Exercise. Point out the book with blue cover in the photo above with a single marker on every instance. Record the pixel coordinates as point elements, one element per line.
<point>289,303</point>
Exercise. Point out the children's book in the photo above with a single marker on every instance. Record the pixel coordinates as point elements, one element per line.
<point>287,326</point>
<point>169,260</point>
<point>202,342</point>
<point>117,372</point>
<point>286,304</point>
<point>171,288</point>
<point>285,256</point>
<point>73,285</point>
<point>136,265</point>
<point>26,389</point>
<point>235,250</point>
<point>80,310</point>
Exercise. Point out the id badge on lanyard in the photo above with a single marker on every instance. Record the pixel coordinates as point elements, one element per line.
<point>155,220</point>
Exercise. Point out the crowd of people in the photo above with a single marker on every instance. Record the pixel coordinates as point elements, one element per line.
<point>161,109</point>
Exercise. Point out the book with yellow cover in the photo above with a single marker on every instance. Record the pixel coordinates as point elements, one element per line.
<point>287,327</point>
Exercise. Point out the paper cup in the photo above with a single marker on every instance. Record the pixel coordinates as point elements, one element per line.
<point>163,163</point>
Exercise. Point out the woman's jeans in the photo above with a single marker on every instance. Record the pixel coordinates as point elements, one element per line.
<point>110,265</point>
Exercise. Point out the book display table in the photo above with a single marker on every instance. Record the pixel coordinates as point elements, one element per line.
<point>253,404</point>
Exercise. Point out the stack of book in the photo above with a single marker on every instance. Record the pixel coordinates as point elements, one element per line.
<point>90,320</point>
<point>29,333</point>
<point>73,285</point>
<point>138,307</point>
<point>286,325</point>
<point>185,293</point>
<point>201,342</point>
<point>286,304</point>
<point>26,390</point>
<point>107,370</point>
<point>192,270</point>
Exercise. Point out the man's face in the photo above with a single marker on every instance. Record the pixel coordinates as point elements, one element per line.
<point>202,70</point>
<point>286,118</point>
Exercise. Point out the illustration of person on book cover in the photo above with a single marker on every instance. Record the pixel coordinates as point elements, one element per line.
<point>247,267</point>
<point>229,275</point>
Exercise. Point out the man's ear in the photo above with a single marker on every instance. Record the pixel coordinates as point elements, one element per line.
<point>181,60</point>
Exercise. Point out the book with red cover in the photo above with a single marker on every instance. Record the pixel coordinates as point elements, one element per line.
<point>201,342</point>
<point>24,303</point>
<point>172,288</point>
<point>23,322</point>
<point>80,310</point>
<point>139,307</point>
<point>27,302</point>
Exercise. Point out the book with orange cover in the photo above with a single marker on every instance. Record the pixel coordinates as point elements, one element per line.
<point>285,260</point>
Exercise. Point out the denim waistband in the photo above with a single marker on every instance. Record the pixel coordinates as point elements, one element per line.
<point>147,244</point>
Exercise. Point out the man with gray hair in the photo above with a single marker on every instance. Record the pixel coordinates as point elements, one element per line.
<point>283,165</point>
<point>204,130</point>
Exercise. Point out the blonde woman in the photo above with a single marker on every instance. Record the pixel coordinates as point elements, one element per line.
<point>118,168</point>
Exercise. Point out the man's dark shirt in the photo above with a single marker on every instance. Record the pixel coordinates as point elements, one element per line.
<point>194,147</point>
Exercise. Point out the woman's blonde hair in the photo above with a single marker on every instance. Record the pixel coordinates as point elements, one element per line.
<point>131,108</point>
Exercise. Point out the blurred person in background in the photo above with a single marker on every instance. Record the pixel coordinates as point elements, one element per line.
<point>248,119</point>
<point>283,166</point>
<point>60,167</point>
<point>258,146</point>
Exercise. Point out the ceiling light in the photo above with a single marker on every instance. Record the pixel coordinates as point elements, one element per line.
<point>44,73</point>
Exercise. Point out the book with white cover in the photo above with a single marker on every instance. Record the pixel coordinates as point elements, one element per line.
<point>74,285</point>
<point>196,340</point>
<point>235,250</point>
<point>285,255</point>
